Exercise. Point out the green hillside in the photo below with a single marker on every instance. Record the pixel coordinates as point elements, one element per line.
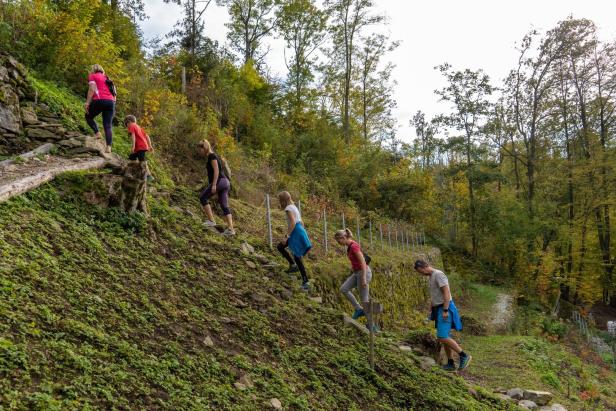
<point>104,310</point>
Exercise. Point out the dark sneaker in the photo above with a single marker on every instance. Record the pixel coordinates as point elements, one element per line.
<point>358,313</point>
<point>306,286</point>
<point>464,362</point>
<point>375,328</point>
<point>292,269</point>
<point>449,367</point>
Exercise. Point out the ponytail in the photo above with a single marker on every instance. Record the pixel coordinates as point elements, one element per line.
<point>346,233</point>
<point>205,145</point>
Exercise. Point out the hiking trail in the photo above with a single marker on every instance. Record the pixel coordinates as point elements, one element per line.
<point>502,311</point>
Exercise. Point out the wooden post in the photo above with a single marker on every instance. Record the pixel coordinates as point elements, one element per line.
<point>370,228</point>
<point>343,222</point>
<point>358,231</point>
<point>184,80</point>
<point>381,234</point>
<point>371,327</point>
<point>374,308</point>
<point>389,234</point>
<point>268,217</point>
<point>397,243</point>
<point>299,207</point>
<point>325,229</point>
<point>408,246</point>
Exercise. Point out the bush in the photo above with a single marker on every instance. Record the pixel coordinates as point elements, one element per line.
<point>554,328</point>
<point>471,325</point>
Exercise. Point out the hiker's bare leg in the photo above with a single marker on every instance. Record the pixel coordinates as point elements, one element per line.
<point>207,209</point>
<point>451,344</point>
<point>229,220</point>
<point>448,352</point>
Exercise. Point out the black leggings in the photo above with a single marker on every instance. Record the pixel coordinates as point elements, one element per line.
<point>282,247</point>
<point>107,107</point>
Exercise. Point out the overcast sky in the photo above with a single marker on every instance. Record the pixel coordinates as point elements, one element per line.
<point>465,33</point>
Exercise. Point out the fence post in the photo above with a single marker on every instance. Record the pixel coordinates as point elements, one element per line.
<point>358,231</point>
<point>325,229</point>
<point>370,228</point>
<point>299,206</point>
<point>397,242</point>
<point>268,217</point>
<point>343,222</point>
<point>408,245</point>
<point>389,234</point>
<point>381,234</point>
<point>184,80</point>
<point>406,240</point>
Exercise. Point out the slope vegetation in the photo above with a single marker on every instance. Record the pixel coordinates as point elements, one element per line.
<point>105,310</point>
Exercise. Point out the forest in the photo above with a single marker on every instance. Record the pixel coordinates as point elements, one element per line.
<point>518,174</point>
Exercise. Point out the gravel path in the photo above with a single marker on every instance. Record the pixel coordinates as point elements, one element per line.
<point>502,311</point>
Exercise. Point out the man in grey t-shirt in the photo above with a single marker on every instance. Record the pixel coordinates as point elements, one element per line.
<point>444,313</point>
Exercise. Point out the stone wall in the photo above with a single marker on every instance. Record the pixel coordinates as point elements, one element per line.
<point>26,123</point>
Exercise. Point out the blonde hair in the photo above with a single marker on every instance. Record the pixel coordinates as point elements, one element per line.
<point>285,198</point>
<point>97,68</point>
<point>204,144</point>
<point>346,233</point>
<point>129,119</point>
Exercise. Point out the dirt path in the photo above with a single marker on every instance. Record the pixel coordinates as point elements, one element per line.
<point>503,311</point>
<point>17,179</point>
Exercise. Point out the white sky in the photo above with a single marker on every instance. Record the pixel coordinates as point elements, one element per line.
<point>465,33</point>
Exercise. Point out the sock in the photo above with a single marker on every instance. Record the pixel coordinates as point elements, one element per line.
<point>450,361</point>
<point>462,354</point>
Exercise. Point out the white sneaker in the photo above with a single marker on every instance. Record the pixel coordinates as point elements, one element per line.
<point>228,232</point>
<point>209,223</point>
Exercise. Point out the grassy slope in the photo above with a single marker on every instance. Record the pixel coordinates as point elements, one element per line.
<point>99,309</point>
<point>103,310</point>
<point>506,361</point>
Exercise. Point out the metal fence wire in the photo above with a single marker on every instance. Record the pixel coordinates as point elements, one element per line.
<point>370,232</point>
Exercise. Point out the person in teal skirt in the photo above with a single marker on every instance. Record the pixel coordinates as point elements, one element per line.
<point>296,238</point>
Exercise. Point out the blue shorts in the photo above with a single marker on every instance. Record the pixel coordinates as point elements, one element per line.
<point>443,327</point>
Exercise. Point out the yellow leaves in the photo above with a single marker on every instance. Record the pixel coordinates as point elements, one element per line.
<point>251,76</point>
<point>154,99</point>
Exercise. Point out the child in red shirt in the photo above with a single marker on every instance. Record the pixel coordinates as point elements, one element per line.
<point>141,141</point>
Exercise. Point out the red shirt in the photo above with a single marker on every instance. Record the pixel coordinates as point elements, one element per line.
<point>352,251</point>
<point>103,92</point>
<point>141,140</point>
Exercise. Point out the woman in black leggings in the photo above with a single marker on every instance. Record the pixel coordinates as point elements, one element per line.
<point>101,100</point>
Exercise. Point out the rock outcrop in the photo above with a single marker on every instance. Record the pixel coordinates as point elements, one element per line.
<point>27,123</point>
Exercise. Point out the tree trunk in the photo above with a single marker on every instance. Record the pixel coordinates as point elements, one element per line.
<point>130,195</point>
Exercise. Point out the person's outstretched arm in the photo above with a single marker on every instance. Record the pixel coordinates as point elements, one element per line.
<point>92,89</point>
<point>447,298</point>
<point>215,178</point>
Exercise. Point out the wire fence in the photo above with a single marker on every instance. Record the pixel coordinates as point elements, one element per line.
<point>371,232</point>
<point>601,345</point>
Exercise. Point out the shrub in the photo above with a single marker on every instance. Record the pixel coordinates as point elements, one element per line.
<point>554,328</point>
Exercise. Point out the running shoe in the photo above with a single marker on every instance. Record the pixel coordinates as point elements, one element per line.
<point>449,367</point>
<point>465,361</point>
<point>358,313</point>
<point>209,223</point>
